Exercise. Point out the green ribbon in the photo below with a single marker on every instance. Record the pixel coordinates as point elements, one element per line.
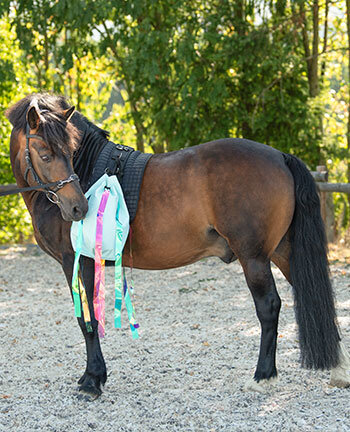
<point>75,279</point>
<point>78,287</point>
<point>118,284</point>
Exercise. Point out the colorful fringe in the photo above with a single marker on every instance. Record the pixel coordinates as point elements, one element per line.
<point>78,288</point>
<point>99,287</point>
<point>118,287</point>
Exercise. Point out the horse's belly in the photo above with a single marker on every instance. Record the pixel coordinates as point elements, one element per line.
<point>175,248</point>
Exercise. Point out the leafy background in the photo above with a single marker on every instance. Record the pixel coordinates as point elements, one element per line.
<point>163,75</point>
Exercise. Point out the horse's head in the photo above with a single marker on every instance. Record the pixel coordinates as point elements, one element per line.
<point>44,146</point>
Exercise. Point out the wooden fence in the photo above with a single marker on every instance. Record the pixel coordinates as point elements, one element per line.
<point>327,206</point>
<point>5,188</point>
<point>325,188</point>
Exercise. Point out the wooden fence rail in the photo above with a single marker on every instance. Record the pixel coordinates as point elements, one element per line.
<point>319,177</point>
<point>334,187</point>
<point>5,188</point>
<point>321,184</point>
<point>325,188</point>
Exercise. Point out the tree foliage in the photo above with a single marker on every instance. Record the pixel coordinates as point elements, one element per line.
<point>14,219</point>
<point>164,75</point>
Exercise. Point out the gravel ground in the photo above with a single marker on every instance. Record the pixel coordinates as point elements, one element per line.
<point>199,344</point>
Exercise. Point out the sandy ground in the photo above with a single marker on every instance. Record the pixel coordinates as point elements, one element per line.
<point>199,344</point>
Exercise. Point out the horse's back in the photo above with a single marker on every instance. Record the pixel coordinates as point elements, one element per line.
<point>239,150</point>
<point>240,155</point>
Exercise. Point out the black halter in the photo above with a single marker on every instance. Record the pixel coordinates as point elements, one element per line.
<point>50,188</point>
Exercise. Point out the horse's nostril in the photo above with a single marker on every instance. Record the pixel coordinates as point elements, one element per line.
<point>77,212</point>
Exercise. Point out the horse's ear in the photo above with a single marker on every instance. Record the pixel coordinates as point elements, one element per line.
<point>33,118</point>
<point>68,113</point>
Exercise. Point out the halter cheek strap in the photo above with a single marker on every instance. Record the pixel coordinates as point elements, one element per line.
<point>49,188</point>
<point>50,193</point>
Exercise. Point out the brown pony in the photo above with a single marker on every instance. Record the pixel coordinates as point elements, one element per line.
<point>231,198</point>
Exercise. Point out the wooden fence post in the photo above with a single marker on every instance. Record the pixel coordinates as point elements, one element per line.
<point>327,205</point>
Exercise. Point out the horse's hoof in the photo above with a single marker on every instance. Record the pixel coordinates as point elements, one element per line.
<point>90,392</point>
<point>82,379</point>
<point>340,375</point>
<point>102,378</point>
<point>340,378</point>
<point>339,383</point>
<point>261,387</point>
<point>86,397</point>
<point>90,385</point>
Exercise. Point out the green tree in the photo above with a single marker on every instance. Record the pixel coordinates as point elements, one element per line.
<point>163,75</point>
<point>14,219</point>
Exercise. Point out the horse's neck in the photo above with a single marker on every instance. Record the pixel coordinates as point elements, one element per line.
<point>84,160</point>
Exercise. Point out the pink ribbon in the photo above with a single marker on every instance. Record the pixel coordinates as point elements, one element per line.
<point>99,286</point>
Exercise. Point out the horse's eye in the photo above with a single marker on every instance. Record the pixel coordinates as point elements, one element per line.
<point>46,158</point>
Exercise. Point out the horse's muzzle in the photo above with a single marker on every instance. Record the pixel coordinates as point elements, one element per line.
<point>79,212</point>
<point>74,211</point>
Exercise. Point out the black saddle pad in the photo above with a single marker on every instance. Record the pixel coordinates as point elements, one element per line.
<point>128,165</point>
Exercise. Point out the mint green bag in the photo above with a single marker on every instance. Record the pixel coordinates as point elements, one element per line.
<point>115,202</point>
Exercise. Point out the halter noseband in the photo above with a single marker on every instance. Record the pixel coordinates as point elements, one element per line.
<point>50,193</point>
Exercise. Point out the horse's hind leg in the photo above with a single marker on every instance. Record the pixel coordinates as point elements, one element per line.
<point>95,373</point>
<point>281,257</point>
<point>267,304</point>
<point>340,375</point>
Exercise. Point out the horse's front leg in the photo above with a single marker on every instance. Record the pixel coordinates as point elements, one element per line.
<point>95,373</point>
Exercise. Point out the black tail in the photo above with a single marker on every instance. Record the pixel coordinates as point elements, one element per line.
<point>314,300</point>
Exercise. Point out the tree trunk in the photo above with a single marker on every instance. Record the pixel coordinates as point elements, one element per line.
<point>314,82</point>
<point>46,59</point>
<point>78,89</point>
<point>140,142</point>
<point>348,131</point>
<point>158,147</point>
<point>139,139</point>
<point>245,129</point>
<point>134,111</point>
<point>325,40</point>
<point>311,57</point>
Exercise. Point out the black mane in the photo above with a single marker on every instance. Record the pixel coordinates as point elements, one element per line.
<point>45,101</point>
<point>59,134</point>
<point>79,135</point>
<point>93,140</point>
